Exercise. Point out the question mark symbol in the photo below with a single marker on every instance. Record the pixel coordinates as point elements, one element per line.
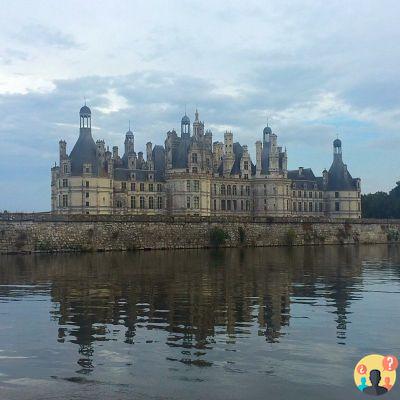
<point>390,362</point>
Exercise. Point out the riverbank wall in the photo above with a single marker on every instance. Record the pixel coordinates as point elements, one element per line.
<point>27,233</point>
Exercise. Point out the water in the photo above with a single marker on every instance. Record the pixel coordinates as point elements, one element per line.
<point>277,323</point>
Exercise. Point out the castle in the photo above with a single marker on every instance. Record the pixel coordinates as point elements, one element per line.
<point>192,175</point>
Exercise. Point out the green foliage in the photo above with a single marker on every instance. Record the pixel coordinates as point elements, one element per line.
<point>218,237</point>
<point>381,204</point>
<point>242,234</point>
<point>393,235</point>
<point>290,237</point>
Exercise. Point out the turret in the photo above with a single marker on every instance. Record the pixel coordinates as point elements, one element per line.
<point>185,127</point>
<point>63,149</point>
<point>129,142</point>
<point>115,152</point>
<point>229,156</point>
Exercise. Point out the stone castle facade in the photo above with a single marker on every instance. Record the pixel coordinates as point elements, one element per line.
<point>192,175</point>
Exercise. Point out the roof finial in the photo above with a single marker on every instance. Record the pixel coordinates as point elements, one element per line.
<point>85,99</point>
<point>129,125</point>
<point>185,109</point>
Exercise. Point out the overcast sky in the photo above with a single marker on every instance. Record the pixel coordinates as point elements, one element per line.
<point>314,69</point>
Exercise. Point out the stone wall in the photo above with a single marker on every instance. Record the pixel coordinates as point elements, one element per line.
<point>45,233</point>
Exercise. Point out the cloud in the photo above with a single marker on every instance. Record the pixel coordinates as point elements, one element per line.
<point>314,71</point>
<point>40,35</point>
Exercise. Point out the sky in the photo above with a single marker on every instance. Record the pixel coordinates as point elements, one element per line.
<point>313,70</point>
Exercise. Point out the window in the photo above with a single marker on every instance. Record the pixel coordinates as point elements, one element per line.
<point>223,189</point>
<point>87,194</point>
<point>87,169</point>
<point>246,176</point>
<point>336,195</point>
<point>188,186</point>
<point>241,205</point>
<point>246,165</point>
<point>275,190</point>
<point>65,183</point>
<point>234,192</point>
<point>247,205</point>
<point>133,186</point>
<point>294,193</point>
<point>359,206</point>
<point>228,190</point>
<point>188,202</point>
<point>196,186</point>
<point>159,203</point>
<point>151,187</point>
<point>194,158</point>
<point>141,202</point>
<point>299,193</point>
<point>305,194</point>
<point>142,187</point>
<point>123,185</point>
<point>247,190</point>
<point>320,195</point>
<point>194,170</point>
<point>65,168</point>
<point>265,189</point>
<point>337,206</point>
<point>223,207</point>
<point>215,190</point>
<point>241,190</point>
<point>310,206</point>
<point>310,195</point>
<point>294,206</point>
<point>151,202</point>
<point>228,205</point>
<point>305,206</point>
<point>65,200</point>
<point>119,204</point>
<point>196,202</point>
<point>159,187</point>
<point>299,206</point>
<point>234,205</point>
<point>133,202</point>
<point>215,204</point>
<point>320,207</point>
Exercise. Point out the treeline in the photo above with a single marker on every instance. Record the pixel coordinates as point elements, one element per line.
<point>381,204</point>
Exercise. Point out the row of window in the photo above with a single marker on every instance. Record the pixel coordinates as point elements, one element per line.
<point>192,204</point>
<point>142,187</point>
<point>231,190</point>
<point>192,186</point>
<point>143,203</point>
<point>232,205</point>
<point>308,207</point>
<point>310,194</point>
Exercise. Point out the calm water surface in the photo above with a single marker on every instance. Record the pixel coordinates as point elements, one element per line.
<point>274,323</point>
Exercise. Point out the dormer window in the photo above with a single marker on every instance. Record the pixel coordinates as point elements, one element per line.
<point>194,158</point>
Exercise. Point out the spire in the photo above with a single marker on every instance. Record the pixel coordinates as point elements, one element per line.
<point>196,114</point>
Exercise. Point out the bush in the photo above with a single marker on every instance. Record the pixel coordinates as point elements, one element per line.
<point>218,237</point>
<point>290,237</point>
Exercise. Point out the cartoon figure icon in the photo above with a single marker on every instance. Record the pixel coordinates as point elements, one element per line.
<point>375,374</point>
<point>387,384</point>
<point>375,389</point>
<point>363,384</point>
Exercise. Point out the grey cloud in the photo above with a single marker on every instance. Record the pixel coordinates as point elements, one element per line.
<point>39,35</point>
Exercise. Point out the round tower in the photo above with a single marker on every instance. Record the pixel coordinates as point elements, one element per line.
<point>185,127</point>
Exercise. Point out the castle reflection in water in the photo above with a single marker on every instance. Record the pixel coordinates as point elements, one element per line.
<point>187,298</point>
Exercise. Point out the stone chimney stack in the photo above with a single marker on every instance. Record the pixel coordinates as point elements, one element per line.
<point>115,152</point>
<point>258,157</point>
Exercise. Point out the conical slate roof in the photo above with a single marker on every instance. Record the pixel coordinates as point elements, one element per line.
<point>83,152</point>
<point>338,176</point>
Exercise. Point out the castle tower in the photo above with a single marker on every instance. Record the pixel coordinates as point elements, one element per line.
<point>337,150</point>
<point>198,126</point>
<point>185,127</point>
<point>129,142</point>
<point>229,156</point>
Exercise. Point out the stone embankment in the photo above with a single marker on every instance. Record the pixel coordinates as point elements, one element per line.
<point>25,233</point>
